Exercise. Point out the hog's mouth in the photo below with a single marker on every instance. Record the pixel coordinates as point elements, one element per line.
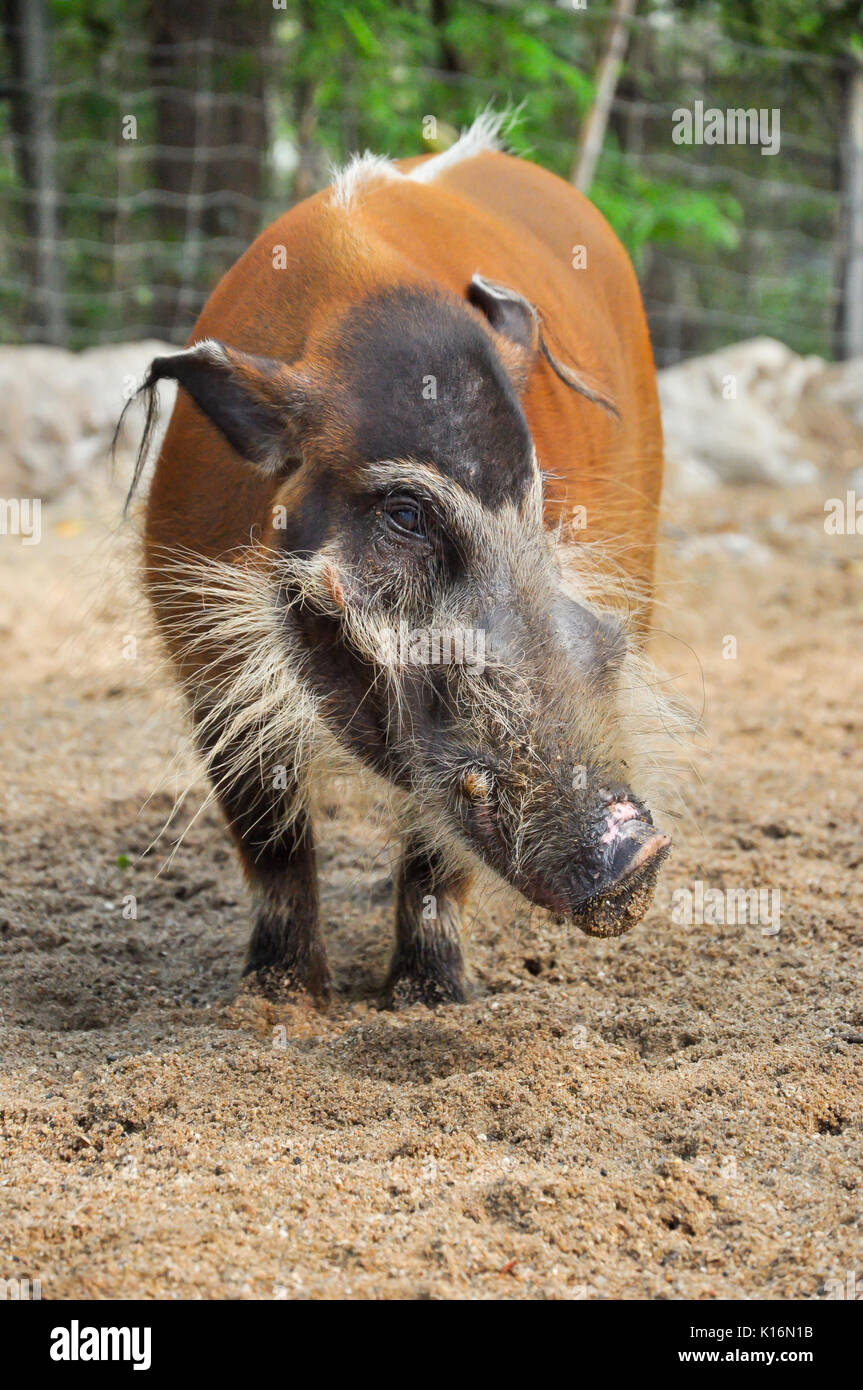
<point>610,896</point>
<point>610,882</point>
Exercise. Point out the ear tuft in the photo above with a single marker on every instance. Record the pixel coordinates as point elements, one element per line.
<point>208,351</point>
<point>515,323</point>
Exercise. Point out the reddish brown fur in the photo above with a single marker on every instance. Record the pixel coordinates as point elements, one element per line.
<point>514,223</point>
<point>517,226</point>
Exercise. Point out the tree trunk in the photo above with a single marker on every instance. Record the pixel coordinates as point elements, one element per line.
<point>208,65</point>
<point>449,58</point>
<point>305,108</point>
<point>608,73</point>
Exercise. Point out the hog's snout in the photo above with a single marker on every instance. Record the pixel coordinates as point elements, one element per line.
<point>614,879</point>
<point>610,861</point>
<point>632,849</point>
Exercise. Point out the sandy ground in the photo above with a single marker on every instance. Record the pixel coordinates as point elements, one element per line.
<point>674,1114</point>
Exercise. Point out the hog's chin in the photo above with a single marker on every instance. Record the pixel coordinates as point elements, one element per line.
<point>608,884</point>
<point>613,913</point>
<point>609,896</point>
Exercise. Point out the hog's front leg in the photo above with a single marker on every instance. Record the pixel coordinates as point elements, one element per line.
<point>427,965</point>
<point>286,951</point>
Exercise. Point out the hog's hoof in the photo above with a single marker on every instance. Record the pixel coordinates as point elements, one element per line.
<point>281,984</point>
<point>403,990</point>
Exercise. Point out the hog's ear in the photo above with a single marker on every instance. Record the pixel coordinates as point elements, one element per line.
<point>515,322</point>
<point>521,340</point>
<point>262,407</point>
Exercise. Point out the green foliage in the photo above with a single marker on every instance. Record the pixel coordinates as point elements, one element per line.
<point>387,67</point>
<point>830,26</point>
<point>367,73</point>
<point>645,212</point>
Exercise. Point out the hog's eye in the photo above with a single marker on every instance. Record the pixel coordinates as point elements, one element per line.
<point>406,516</point>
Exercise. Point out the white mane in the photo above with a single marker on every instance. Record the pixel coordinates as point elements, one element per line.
<point>364,170</point>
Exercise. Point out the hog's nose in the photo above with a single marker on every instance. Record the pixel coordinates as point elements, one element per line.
<point>615,891</point>
<point>628,843</point>
<point>627,850</point>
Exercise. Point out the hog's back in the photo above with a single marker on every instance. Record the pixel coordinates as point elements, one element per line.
<point>510,221</point>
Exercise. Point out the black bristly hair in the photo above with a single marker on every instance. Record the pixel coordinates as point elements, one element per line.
<point>148,390</point>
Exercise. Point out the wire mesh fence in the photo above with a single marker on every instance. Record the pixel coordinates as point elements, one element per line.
<point>162,153</point>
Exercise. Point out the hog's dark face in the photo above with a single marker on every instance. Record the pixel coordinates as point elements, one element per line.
<point>449,656</point>
<point>436,627</point>
<point>444,642</point>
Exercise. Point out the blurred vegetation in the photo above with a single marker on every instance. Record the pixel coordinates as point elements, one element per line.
<point>246,106</point>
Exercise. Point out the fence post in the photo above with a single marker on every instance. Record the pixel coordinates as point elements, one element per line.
<point>33,125</point>
<point>851,344</point>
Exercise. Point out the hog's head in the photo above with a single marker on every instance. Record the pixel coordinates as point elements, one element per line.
<point>435,625</point>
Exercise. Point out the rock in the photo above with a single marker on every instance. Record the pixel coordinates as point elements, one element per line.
<point>729,546</point>
<point>58,411</point>
<point>727,417</point>
<point>755,412</point>
<point>842,387</point>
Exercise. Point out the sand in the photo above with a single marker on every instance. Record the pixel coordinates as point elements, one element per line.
<point>673,1114</point>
